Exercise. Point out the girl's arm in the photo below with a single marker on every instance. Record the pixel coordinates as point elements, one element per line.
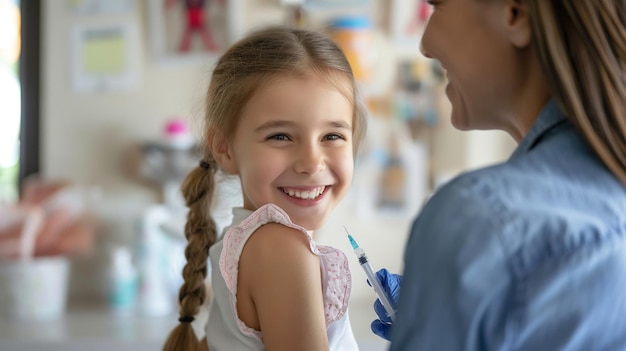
<point>280,290</point>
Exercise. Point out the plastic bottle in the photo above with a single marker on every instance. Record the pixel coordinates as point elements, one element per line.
<point>393,181</point>
<point>177,135</point>
<point>178,145</point>
<point>122,282</point>
<point>354,35</point>
<point>153,263</point>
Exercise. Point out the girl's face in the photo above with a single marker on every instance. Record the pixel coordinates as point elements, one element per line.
<point>472,41</point>
<point>293,148</point>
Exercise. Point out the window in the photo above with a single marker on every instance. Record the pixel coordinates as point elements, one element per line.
<point>10,91</point>
<point>19,94</point>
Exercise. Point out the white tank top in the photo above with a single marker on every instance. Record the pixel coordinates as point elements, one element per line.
<point>225,331</point>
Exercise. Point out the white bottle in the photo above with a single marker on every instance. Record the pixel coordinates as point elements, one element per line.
<point>153,263</point>
<point>122,282</point>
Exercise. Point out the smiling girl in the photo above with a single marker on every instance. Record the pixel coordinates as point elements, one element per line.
<point>282,116</point>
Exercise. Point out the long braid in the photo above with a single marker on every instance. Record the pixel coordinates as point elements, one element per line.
<point>201,232</point>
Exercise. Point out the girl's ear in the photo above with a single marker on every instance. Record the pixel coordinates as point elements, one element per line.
<point>222,151</point>
<point>518,24</point>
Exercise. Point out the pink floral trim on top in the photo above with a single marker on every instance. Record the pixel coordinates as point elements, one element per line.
<point>336,274</point>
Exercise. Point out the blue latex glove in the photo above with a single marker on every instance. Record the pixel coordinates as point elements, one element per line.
<point>391,284</point>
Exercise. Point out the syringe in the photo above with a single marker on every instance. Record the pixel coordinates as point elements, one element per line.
<point>378,289</point>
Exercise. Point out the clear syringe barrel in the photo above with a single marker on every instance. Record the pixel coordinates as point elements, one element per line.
<point>378,289</point>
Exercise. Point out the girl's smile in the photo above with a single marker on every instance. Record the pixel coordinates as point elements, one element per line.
<point>305,196</point>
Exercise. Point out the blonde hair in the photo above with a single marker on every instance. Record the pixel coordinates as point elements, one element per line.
<point>266,54</point>
<point>582,49</point>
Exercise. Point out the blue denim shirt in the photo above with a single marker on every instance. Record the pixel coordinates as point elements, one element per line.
<point>529,254</point>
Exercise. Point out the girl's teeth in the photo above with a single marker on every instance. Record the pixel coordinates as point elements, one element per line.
<point>307,195</point>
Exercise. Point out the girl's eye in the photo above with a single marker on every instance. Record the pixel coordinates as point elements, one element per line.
<point>332,137</point>
<point>279,137</point>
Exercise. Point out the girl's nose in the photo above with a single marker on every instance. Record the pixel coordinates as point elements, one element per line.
<point>309,160</point>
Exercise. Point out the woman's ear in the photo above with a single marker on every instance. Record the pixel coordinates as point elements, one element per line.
<point>518,23</point>
<point>223,153</point>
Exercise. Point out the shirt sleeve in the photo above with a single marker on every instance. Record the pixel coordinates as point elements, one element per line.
<point>456,280</point>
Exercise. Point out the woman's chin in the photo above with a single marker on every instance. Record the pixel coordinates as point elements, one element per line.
<point>459,120</point>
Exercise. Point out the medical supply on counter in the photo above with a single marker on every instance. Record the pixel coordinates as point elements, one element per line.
<point>122,294</point>
<point>34,289</point>
<point>177,135</point>
<point>153,263</point>
<point>371,277</point>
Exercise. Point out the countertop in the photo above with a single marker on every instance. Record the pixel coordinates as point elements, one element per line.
<point>87,327</point>
<point>95,328</point>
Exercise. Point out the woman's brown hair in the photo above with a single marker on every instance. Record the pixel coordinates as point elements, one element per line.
<point>266,54</point>
<point>582,48</point>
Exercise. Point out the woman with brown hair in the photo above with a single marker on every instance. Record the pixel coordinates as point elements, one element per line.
<point>529,254</point>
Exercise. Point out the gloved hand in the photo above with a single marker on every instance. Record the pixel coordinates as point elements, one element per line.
<point>391,284</point>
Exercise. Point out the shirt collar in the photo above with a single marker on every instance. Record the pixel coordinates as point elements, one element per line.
<point>549,118</point>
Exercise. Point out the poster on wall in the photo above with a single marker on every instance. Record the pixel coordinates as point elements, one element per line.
<point>105,56</point>
<point>184,29</point>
